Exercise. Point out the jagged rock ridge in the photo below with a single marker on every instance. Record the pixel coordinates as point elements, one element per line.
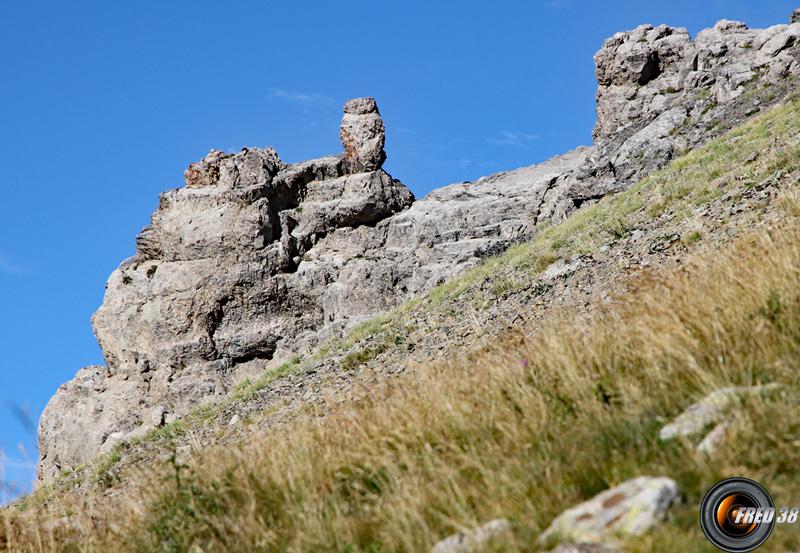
<point>255,259</point>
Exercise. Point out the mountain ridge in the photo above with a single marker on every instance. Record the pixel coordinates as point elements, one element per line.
<point>455,381</point>
<point>696,152</point>
<point>255,261</point>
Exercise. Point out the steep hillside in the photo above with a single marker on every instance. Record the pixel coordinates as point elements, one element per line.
<point>622,315</point>
<point>306,358</point>
<point>255,261</point>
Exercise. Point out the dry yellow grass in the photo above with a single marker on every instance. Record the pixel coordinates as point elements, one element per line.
<point>520,430</point>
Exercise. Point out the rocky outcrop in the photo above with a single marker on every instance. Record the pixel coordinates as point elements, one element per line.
<point>254,259</point>
<point>217,284</point>
<point>660,93</point>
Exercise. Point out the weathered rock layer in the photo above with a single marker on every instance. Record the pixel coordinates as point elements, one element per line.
<point>255,259</point>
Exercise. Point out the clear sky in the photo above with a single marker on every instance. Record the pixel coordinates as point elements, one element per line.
<point>104,104</point>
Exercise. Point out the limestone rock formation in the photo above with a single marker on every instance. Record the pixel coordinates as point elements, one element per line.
<point>255,260</point>
<point>215,286</point>
<point>660,93</point>
<point>362,135</point>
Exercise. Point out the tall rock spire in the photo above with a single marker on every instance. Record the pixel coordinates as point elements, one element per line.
<point>363,135</point>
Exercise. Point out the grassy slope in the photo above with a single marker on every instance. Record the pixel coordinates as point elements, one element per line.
<point>524,429</point>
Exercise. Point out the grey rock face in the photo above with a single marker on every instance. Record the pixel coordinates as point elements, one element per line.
<point>81,410</point>
<point>659,92</point>
<point>215,287</point>
<point>255,259</point>
<point>629,509</point>
<point>644,72</point>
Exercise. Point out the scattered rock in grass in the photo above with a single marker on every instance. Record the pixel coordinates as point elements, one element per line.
<point>709,410</point>
<point>662,243</point>
<point>713,439</point>
<point>491,534</point>
<point>631,508</point>
<point>585,548</point>
<point>560,269</point>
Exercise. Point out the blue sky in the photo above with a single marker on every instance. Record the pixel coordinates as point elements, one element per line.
<point>104,104</point>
